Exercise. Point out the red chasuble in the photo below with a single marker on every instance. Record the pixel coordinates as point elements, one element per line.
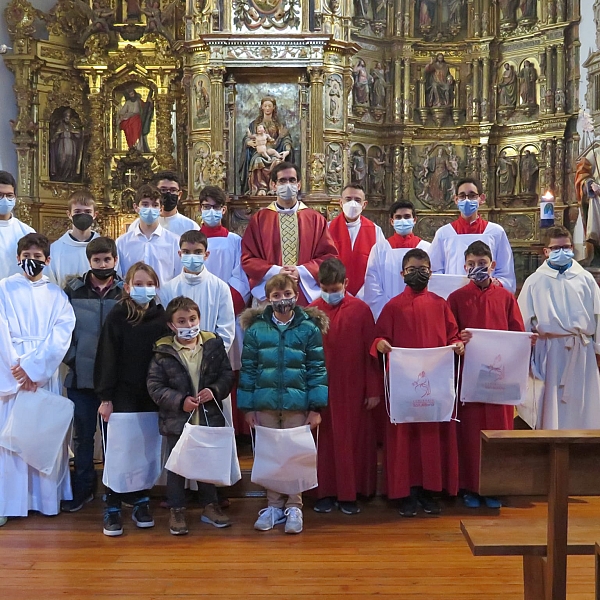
<point>419,454</point>
<point>261,244</point>
<point>404,241</point>
<point>347,452</point>
<point>354,258</point>
<point>491,308</point>
<point>462,226</point>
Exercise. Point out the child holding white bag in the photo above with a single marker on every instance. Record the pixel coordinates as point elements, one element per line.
<point>283,381</point>
<point>190,372</point>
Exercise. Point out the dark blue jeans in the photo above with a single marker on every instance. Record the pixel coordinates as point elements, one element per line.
<point>85,420</point>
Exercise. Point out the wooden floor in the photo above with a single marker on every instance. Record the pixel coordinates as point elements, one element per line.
<point>338,557</point>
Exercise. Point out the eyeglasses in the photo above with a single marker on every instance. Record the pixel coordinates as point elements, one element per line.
<point>172,190</point>
<point>205,206</point>
<point>287,180</point>
<point>7,196</point>
<point>471,196</point>
<point>565,247</point>
<point>422,270</point>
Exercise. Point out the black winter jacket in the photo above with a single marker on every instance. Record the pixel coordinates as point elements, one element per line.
<point>169,383</point>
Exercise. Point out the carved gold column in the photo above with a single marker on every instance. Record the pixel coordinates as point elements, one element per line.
<point>398,96</point>
<point>560,99</point>
<point>476,91</point>
<point>485,103</point>
<point>96,145</point>
<point>217,116</point>
<point>164,130</point>
<point>317,76</point>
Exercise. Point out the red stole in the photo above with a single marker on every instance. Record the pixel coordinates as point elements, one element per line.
<point>354,258</point>
<point>462,226</point>
<point>211,232</point>
<point>404,241</point>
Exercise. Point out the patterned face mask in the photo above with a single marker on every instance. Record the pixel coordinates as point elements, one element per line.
<point>283,306</point>
<point>31,266</point>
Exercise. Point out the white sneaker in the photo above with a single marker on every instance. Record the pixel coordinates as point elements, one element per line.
<point>293,523</point>
<point>3,521</point>
<point>268,518</point>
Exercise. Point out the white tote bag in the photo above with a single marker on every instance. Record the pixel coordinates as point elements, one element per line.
<point>496,367</point>
<point>421,384</point>
<point>37,427</point>
<point>133,452</point>
<point>285,460</point>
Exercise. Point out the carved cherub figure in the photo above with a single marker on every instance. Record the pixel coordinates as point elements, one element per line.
<point>262,138</point>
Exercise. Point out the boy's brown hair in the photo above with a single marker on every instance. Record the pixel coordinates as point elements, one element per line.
<point>180,303</point>
<point>34,239</point>
<point>83,197</point>
<point>147,191</point>
<point>558,231</point>
<point>280,282</point>
<point>193,236</point>
<point>418,254</point>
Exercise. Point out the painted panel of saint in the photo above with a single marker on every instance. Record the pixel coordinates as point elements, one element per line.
<point>66,145</point>
<point>135,119</point>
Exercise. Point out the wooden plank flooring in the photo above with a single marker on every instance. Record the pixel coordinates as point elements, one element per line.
<point>337,557</point>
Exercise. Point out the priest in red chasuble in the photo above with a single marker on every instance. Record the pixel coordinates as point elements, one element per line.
<point>286,237</point>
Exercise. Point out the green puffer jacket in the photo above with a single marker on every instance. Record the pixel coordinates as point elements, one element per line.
<point>283,369</point>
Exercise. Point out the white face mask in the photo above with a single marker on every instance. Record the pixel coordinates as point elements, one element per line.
<point>188,333</point>
<point>352,209</point>
<point>287,191</point>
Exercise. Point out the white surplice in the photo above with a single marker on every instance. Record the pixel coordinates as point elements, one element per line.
<point>67,259</point>
<point>11,232</point>
<point>177,224</point>
<point>39,322</point>
<point>564,308</point>
<point>447,252</point>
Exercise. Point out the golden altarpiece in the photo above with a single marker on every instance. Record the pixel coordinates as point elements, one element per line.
<point>404,96</point>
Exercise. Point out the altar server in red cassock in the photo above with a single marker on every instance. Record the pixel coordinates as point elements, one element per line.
<point>347,451</point>
<point>481,305</point>
<point>354,236</point>
<point>286,237</point>
<point>420,458</point>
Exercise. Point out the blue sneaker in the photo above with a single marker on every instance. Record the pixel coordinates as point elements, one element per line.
<point>491,502</point>
<point>471,501</point>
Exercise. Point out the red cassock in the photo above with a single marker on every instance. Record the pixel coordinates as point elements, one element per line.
<point>463,227</point>
<point>404,241</point>
<point>261,244</point>
<point>491,308</point>
<point>419,454</point>
<point>355,257</point>
<point>347,452</point>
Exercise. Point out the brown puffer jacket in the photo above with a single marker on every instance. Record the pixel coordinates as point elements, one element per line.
<point>169,383</point>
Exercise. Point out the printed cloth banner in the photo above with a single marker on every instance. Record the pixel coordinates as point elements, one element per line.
<point>443,285</point>
<point>421,384</point>
<point>496,367</point>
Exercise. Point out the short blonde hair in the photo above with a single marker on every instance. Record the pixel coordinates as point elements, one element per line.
<point>83,197</point>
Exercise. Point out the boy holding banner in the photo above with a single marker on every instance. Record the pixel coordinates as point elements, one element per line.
<point>420,458</point>
<point>481,305</point>
<point>189,373</point>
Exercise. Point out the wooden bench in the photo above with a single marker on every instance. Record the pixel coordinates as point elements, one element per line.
<point>554,464</point>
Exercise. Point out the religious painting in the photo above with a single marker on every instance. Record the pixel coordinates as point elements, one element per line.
<point>334,101</point>
<point>134,121</point>
<point>267,132</point>
<point>201,102</point>
<point>66,145</point>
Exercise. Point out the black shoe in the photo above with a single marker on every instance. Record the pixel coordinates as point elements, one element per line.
<point>71,506</point>
<point>113,523</point>
<point>324,505</point>
<point>141,515</point>
<point>349,508</point>
<point>428,503</point>
<point>408,507</point>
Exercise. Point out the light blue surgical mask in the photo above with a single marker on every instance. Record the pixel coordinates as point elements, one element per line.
<point>212,217</point>
<point>6,206</point>
<point>149,215</point>
<point>193,262</point>
<point>333,298</point>
<point>561,257</point>
<point>403,226</point>
<point>468,207</point>
<point>142,295</point>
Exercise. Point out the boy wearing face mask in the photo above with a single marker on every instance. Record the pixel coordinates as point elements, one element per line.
<point>171,219</point>
<point>354,235</point>
<point>481,305</point>
<point>561,302</point>
<point>451,240</point>
<point>147,240</point>
<point>347,452</point>
<point>283,381</point>
<point>189,373</point>
<point>36,323</point>
<point>11,229</point>
<point>92,297</point>
<point>69,258</point>
<point>382,279</point>
<point>420,458</point>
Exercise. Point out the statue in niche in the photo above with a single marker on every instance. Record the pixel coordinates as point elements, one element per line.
<point>588,197</point>
<point>333,174</point>
<point>135,118</point>
<point>377,174</point>
<point>454,14</point>
<point>439,82</point>
<point>378,86</point>
<point>256,167</point>
<point>66,146</point>
<point>426,15</point>
<point>529,169</point>
<point>528,9</point>
<point>379,10</point>
<point>334,110</point>
<point>507,88</point>
<point>436,177</point>
<point>360,89</point>
<point>528,77</point>
<point>202,101</point>
<point>155,19</point>
<point>359,166</point>
<point>508,10</point>
<point>361,9</point>
<point>133,10</point>
<point>507,174</point>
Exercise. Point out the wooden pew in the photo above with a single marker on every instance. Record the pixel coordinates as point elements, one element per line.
<point>554,464</point>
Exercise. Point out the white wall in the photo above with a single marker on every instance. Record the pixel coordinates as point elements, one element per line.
<point>587,37</point>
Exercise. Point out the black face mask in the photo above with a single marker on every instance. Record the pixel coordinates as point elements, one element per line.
<point>169,201</point>
<point>417,280</point>
<point>82,221</point>
<point>32,267</point>
<point>103,274</point>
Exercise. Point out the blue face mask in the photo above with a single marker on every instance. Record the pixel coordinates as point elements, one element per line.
<point>561,258</point>
<point>142,295</point>
<point>6,206</point>
<point>468,207</point>
<point>333,298</point>
<point>212,217</point>
<point>149,215</point>
<point>403,226</point>
<point>193,262</point>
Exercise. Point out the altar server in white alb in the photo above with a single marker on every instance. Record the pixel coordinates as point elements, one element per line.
<point>37,321</point>
<point>169,185</point>
<point>11,229</point>
<point>148,241</point>
<point>69,259</point>
<point>561,302</point>
<point>447,250</point>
